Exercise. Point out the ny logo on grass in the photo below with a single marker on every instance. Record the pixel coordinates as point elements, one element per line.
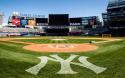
<point>65,64</point>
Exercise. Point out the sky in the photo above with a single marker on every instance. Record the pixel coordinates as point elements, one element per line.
<point>75,8</point>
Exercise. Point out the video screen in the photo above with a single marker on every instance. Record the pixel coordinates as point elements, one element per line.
<point>41,20</point>
<point>75,21</point>
<point>58,19</point>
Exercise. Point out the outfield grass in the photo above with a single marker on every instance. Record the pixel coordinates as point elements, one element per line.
<point>14,61</point>
<point>43,41</point>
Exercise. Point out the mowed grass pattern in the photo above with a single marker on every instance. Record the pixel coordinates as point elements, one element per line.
<point>44,41</point>
<point>14,61</point>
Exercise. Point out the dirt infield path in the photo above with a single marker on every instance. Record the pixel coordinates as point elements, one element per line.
<point>84,47</point>
<point>61,47</point>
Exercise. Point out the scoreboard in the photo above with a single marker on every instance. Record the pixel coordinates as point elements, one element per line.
<point>58,20</point>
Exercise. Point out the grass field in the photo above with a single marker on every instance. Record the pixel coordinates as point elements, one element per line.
<point>14,60</point>
<point>43,41</point>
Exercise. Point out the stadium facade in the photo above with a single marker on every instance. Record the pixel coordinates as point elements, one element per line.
<point>55,24</point>
<point>91,22</point>
<point>115,17</point>
<point>63,24</point>
<point>105,19</point>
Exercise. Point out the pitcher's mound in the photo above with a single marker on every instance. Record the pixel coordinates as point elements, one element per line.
<point>60,47</point>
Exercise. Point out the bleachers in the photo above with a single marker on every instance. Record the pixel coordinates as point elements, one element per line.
<point>19,31</point>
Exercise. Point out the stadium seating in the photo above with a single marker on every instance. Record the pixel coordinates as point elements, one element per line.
<point>19,31</point>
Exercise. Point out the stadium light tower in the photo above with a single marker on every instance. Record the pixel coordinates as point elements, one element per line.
<point>15,13</point>
<point>1,18</point>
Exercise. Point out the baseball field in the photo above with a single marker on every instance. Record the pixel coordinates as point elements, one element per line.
<point>101,57</point>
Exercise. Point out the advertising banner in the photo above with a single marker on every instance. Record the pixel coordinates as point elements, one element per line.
<point>23,22</point>
<point>91,22</point>
<point>16,22</point>
<point>31,22</point>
